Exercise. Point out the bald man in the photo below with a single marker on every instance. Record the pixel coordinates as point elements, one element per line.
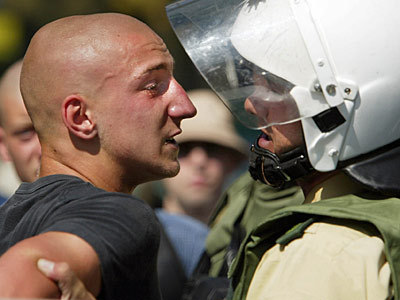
<point>100,92</point>
<point>18,140</point>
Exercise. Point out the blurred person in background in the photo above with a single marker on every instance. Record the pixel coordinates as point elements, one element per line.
<point>19,143</point>
<point>210,151</point>
<point>12,46</point>
<point>10,180</point>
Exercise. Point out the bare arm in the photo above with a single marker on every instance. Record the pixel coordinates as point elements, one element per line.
<point>70,286</point>
<point>20,277</point>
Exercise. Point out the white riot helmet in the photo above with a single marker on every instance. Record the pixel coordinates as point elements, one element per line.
<point>334,65</point>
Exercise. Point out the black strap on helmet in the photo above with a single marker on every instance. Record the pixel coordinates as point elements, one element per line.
<point>277,171</point>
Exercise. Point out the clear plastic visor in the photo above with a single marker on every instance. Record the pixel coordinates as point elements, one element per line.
<point>230,44</point>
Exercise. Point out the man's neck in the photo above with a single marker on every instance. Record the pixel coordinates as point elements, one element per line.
<point>87,171</point>
<point>307,183</point>
<point>319,186</point>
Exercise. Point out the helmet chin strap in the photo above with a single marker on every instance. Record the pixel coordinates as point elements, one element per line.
<point>278,171</point>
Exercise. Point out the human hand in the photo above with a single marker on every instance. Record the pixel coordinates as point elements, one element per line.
<point>70,286</point>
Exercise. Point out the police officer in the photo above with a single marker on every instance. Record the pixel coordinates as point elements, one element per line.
<point>320,80</point>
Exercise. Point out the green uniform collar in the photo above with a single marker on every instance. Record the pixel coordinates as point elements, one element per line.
<point>380,212</point>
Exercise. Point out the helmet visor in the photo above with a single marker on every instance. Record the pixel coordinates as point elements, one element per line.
<point>252,54</point>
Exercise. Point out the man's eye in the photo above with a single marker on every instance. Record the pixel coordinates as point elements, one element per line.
<point>26,135</point>
<point>157,88</point>
<point>151,87</point>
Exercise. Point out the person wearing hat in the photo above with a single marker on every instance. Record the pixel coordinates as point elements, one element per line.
<point>210,150</point>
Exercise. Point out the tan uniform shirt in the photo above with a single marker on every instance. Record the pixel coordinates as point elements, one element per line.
<point>333,260</point>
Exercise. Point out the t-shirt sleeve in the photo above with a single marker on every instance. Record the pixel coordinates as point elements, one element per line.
<point>125,235</point>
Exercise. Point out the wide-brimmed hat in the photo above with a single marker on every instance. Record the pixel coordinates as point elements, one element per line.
<point>213,123</point>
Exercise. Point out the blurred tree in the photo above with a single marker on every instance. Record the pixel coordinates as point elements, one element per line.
<point>28,16</point>
<point>11,37</point>
<point>40,12</point>
<point>11,34</point>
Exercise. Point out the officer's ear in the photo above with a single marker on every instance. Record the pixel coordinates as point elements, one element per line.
<point>77,117</point>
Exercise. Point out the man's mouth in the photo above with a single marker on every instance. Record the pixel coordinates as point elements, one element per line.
<point>170,141</point>
<point>265,136</point>
<point>265,142</point>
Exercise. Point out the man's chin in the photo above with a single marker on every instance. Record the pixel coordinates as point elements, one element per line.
<point>171,171</point>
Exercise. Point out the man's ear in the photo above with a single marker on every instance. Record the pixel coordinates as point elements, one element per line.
<point>77,117</point>
<point>4,154</point>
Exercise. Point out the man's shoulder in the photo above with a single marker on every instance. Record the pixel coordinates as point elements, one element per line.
<point>73,191</point>
<point>64,203</point>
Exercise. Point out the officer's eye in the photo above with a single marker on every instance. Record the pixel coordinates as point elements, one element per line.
<point>151,86</point>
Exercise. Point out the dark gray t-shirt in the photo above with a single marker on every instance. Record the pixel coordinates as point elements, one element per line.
<point>121,229</point>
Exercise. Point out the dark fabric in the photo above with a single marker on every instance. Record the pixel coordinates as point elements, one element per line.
<point>170,271</point>
<point>122,230</point>
<point>187,235</point>
<point>182,243</point>
<point>204,287</point>
<point>201,286</point>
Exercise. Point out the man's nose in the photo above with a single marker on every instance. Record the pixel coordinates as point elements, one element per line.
<point>249,107</point>
<point>181,107</point>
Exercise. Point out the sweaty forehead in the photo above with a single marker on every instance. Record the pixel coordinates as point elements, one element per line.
<point>94,44</point>
<point>90,34</point>
<point>138,53</point>
<point>152,57</point>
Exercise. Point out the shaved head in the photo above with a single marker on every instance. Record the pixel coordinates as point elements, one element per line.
<point>74,55</point>
<point>98,86</point>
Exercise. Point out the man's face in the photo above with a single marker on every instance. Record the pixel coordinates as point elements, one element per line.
<point>204,167</point>
<point>271,104</point>
<point>141,106</point>
<point>18,140</point>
